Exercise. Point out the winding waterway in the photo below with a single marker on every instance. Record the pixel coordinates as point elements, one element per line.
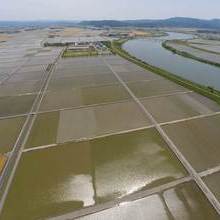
<point>151,51</point>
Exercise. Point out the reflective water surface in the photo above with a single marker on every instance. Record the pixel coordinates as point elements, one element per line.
<point>196,139</point>
<point>64,178</point>
<point>151,51</point>
<point>84,123</point>
<point>9,132</point>
<point>182,202</point>
<point>213,183</point>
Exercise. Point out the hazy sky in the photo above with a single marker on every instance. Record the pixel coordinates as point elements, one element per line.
<point>107,9</point>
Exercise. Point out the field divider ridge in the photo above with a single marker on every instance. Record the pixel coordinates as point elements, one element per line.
<point>87,139</point>
<point>196,177</point>
<point>120,201</point>
<point>13,161</point>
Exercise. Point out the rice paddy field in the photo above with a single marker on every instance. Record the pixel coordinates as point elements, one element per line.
<point>209,45</point>
<point>69,53</point>
<point>92,138</point>
<point>202,51</point>
<point>3,160</point>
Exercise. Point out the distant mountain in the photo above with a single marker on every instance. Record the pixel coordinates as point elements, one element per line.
<point>171,22</point>
<point>179,22</point>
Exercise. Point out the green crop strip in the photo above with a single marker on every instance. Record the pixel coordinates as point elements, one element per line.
<point>69,53</point>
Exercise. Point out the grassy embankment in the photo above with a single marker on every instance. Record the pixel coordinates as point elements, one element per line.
<point>70,53</point>
<point>186,54</point>
<point>116,48</point>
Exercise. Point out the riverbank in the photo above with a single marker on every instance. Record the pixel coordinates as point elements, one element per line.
<point>186,54</point>
<point>116,48</point>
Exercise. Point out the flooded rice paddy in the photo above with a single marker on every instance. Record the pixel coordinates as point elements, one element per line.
<point>16,105</point>
<point>92,144</point>
<point>179,106</point>
<point>72,176</point>
<point>209,45</point>
<point>196,138</point>
<point>76,124</point>
<point>182,202</point>
<point>213,182</point>
<point>9,131</point>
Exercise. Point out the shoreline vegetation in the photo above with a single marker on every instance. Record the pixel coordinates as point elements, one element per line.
<point>186,54</point>
<point>116,48</point>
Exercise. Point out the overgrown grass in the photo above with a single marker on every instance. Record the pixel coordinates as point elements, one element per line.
<point>116,47</point>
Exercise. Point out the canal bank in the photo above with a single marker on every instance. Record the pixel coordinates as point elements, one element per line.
<point>151,51</point>
<point>117,48</point>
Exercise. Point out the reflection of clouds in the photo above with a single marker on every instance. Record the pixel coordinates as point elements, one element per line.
<point>130,173</point>
<point>180,203</point>
<point>148,208</point>
<point>174,203</point>
<point>76,188</point>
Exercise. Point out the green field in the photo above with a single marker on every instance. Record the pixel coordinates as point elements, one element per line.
<point>70,53</point>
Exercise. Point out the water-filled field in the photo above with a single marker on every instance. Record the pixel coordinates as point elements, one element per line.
<point>95,133</point>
